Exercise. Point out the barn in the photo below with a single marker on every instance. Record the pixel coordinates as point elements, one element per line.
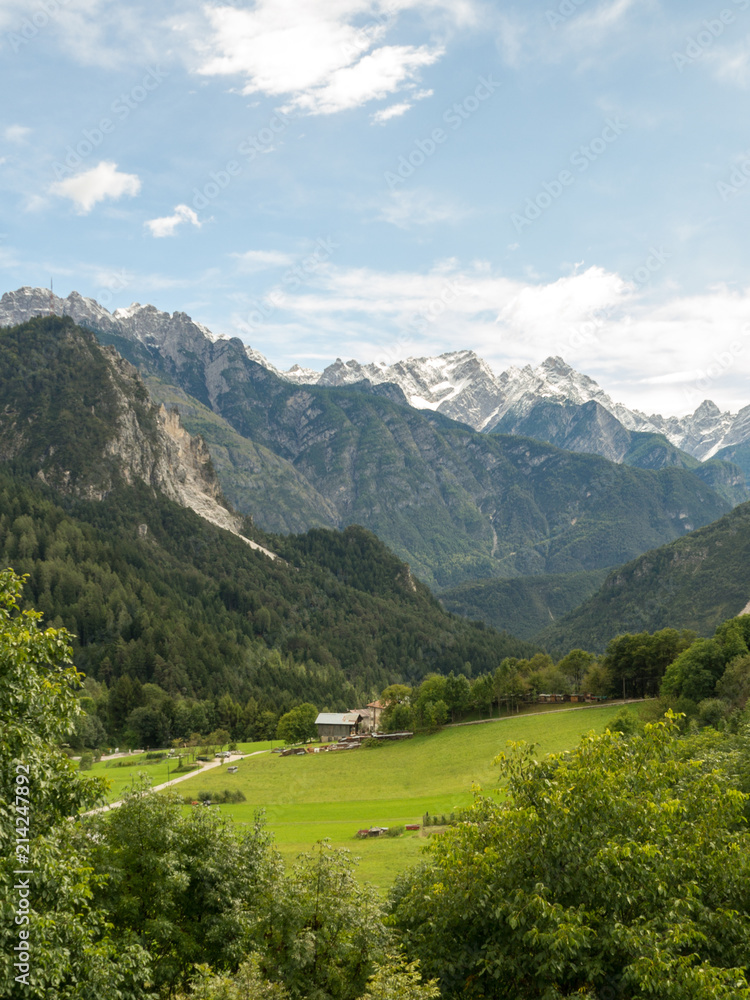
<point>334,725</point>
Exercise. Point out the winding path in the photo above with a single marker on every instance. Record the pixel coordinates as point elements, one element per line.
<point>182,777</point>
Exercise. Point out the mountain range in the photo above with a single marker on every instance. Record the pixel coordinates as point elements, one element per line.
<point>551,402</point>
<point>696,582</point>
<point>463,386</point>
<point>520,524</point>
<point>113,511</point>
<point>455,503</point>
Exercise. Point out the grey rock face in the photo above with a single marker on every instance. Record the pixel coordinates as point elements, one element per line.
<point>458,384</point>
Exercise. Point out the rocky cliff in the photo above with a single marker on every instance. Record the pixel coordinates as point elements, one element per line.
<point>78,417</point>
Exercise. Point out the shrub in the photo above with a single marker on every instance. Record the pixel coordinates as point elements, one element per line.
<point>394,831</point>
<point>625,722</point>
<point>86,762</point>
<point>712,712</point>
<point>222,797</point>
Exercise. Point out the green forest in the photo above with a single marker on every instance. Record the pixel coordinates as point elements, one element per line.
<point>617,869</point>
<point>155,595</point>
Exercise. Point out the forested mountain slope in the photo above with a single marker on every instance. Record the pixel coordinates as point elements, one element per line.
<point>95,507</point>
<point>524,605</point>
<point>696,582</point>
<point>454,503</point>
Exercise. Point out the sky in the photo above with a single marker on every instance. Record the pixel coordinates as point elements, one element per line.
<point>379,180</point>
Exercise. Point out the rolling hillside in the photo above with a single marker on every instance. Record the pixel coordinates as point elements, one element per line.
<point>693,583</point>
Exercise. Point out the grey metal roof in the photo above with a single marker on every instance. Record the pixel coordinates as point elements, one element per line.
<point>337,719</point>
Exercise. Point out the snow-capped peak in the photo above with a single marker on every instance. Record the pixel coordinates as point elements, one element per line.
<point>459,384</point>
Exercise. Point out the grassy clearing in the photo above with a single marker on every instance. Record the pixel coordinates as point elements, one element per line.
<point>121,778</point>
<point>334,795</point>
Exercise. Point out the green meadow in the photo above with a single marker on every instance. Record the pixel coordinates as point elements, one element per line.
<point>122,772</point>
<point>335,794</point>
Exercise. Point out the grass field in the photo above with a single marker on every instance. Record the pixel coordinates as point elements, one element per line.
<point>333,795</point>
<point>122,777</point>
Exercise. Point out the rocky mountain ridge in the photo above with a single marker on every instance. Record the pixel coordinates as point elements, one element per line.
<point>454,503</point>
<point>82,437</point>
<point>459,384</point>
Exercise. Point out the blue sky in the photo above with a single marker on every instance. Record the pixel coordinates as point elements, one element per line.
<point>376,180</point>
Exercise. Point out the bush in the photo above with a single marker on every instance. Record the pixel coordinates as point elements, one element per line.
<point>625,722</point>
<point>372,744</point>
<point>222,797</point>
<point>394,831</point>
<point>712,712</point>
<point>86,762</point>
<point>157,755</point>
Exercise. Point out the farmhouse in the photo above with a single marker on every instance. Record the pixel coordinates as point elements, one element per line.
<point>334,725</point>
<point>377,710</point>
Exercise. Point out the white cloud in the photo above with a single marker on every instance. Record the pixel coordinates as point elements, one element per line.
<point>393,111</point>
<point>577,30</point>
<point>731,65</point>
<point>606,16</point>
<point>166,225</point>
<point>322,56</point>
<point>406,209</point>
<point>16,133</point>
<point>374,77</point>
<point>510,38</point>
<point>660,357</point>
<point>103,33</point>
<point>92,186</point>
<point>262,260</point>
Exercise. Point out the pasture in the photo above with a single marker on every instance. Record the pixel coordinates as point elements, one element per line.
<point>122,772</point>
<point>334,794</point>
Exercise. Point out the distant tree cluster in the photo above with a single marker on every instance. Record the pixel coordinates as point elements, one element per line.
<point>440,699</point>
